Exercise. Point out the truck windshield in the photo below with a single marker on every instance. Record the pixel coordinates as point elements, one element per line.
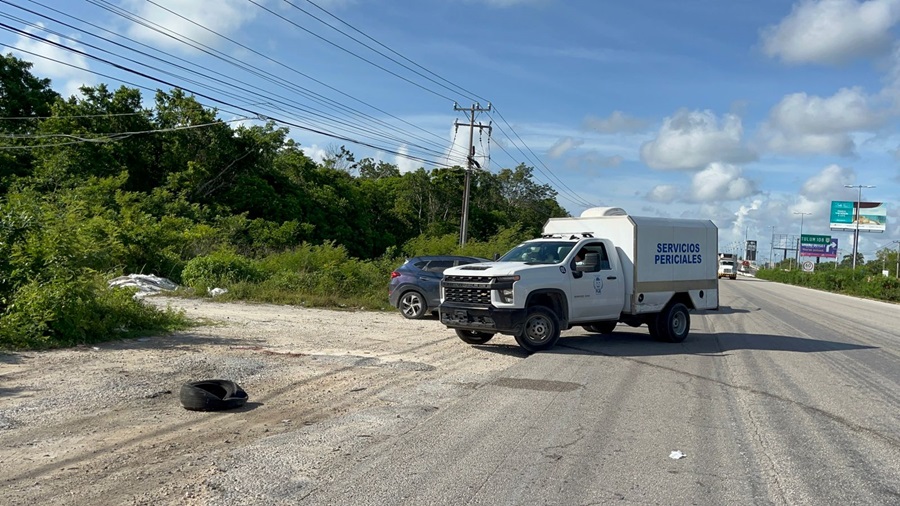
<point>543,252</point>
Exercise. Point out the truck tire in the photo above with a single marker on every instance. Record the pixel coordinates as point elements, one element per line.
<point>540,331</point>
<point>673,324</point>
<point>474,336</point>
<point>412,305</point>
<point>601,327</point>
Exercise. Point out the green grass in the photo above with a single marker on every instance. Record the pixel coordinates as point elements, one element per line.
<point>846,281</point>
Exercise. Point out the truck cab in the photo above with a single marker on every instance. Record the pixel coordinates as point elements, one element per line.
<point>572,279</point>
<point>727,266</point>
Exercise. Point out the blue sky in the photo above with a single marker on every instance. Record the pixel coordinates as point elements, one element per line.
<point>744,112</point>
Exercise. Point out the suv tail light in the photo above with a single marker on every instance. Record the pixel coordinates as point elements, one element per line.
<point>395,274</point>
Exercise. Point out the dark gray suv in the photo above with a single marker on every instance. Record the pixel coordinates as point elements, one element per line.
<point>415,287</point>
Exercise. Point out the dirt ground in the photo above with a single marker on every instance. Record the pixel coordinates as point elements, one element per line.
<point>103,424</point>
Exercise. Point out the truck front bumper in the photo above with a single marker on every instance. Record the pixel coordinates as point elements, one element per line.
<point>484,319</point>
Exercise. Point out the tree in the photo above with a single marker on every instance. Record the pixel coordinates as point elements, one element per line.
<point>22,95</point>
<point>370,169</point>
<point>339,158</point>
<point>24,99</point>
<point>94,136</point>
<point>847,260</point>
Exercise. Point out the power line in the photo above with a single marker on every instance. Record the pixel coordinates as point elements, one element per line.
<point>318,113</point>
<point>575,197</point>
<point>74,116</point>
<point>395,52</point>
<point>248,111</point>
<point>370,62</point>
<point>280,81</point>
<point>305,91</point>
<point>103,138</point>
<point>228,59</point>
<point>313,79</point>
<point>407,67</point>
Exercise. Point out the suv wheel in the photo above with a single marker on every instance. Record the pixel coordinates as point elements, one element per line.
<point>412,305</point>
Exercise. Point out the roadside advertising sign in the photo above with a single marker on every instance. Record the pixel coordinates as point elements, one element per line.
<point>872,216</point>
<point>817,248</point>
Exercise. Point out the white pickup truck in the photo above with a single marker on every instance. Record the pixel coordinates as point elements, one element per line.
<point>636,270</point>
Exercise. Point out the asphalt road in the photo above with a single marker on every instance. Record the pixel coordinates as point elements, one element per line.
<point>783,396</point>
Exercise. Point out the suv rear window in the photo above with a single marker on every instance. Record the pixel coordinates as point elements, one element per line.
<point>438,265</point>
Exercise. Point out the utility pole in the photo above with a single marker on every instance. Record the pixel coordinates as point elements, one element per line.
<point>859,187</point>
<point>771,248</point>
<point>800,240</point>
<point>471,164</point>
<point>897,271</point>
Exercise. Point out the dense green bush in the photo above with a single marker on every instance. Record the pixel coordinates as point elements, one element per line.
<point>78,309</point>
<point>242,208</point>
<point>220,269</point>
<point>860,283</point>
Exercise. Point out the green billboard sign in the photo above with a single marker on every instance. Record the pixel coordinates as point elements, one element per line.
<point>841,213</point>
<point>815,239</point>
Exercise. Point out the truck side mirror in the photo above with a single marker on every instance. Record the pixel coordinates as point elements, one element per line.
<point>496,256</point>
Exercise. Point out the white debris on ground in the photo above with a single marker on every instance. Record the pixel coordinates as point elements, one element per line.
<point>677,455</point>
<point>215,292</point>
<point>146,284</point>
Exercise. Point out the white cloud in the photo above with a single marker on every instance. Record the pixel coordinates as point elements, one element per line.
<point>828,183</point>
<point>403,163</point>
<point>563,146</point>
<point>832,31</point>
<point>616,122</point>
<point>66,79</point>
<point>187,19</point>
<point>818,191</point>
<point>720,182</point>
<point>663,194</point>
<point>694,139</point>
<point>803,124</point>
<point>316,153</point>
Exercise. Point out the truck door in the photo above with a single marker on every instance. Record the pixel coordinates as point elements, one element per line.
<point>598,294</point>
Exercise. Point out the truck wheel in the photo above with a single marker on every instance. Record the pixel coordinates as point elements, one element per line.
<point>540,330</point>
<point>412,305</point>
<point>673,323</point>
<point>601,328</point>
<point>474,336</point>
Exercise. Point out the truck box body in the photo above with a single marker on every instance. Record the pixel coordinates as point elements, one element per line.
<point>660,256</point>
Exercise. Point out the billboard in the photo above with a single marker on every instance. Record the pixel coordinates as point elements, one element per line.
<point>751,251</point>
<point>823,246</point>
<point>872,216</point>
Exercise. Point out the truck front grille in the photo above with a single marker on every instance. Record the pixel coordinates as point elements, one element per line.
<point>474,290</point>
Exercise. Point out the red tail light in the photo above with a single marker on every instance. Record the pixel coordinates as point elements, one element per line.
<point>395,274</point>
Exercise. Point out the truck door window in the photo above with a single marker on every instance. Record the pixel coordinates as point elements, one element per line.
<point>600,251</point>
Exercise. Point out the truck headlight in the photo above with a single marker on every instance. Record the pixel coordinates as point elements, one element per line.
<point>504,287</point>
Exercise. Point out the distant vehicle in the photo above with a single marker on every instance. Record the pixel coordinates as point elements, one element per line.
<point>415,286</point>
